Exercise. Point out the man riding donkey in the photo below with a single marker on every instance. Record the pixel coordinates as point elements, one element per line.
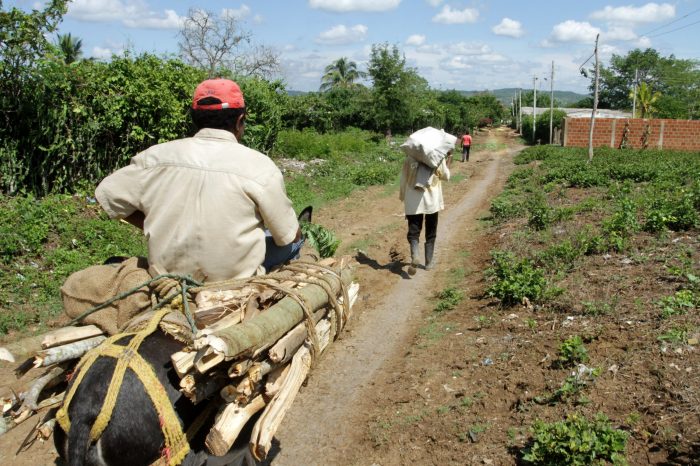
<point>210,207</point>
<point>212,210</point>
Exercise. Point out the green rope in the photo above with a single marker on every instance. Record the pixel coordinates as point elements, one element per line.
<point>184,279</point>
<point>186,307</point>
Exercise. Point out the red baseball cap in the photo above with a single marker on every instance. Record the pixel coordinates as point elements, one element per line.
<point>225,90</point>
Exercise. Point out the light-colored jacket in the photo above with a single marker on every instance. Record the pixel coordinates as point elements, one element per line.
<point>422,201</point>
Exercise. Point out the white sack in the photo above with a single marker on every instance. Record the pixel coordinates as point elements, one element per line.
<point>429,145</point>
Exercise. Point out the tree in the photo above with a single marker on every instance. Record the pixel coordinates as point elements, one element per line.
<point>71,48</point>
<point>342,73</point>
<point>646,99</point>
<point>397,91</point>
<point>677,81</point>
<point>214,43</point>
<point>22,43</point>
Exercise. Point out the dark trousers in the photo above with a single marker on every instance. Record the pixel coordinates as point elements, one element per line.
<point>465,153</point>
<point>415,225</point>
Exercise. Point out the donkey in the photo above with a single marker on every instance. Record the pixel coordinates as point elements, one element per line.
<point>133,436</point>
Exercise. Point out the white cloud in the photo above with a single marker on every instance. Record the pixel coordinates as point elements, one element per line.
<point>450,16</point>
<point>344,6</point>
<point>415,39</point>
<point>468,48</point>
<point>508,27</point>
<point>643,42</point>
<point>574,31</point>
<point>238,13</point>
<point>151,21</point>
<point>649,13</point>
<point>341,35</point>
<point>131,13</point>
<point>619,33</point>
<point>457,64</point>
<point>434,3</point>
<point>102,53</point>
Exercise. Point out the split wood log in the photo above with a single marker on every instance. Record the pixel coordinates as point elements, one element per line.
<point>284,349</point>
<point>207,359</point>
<point>46,429</point>
<point>271,418</point>
<point>248,385</point>
<point>183,362</point>
<point>201,388</point>
<point>275,380</point>
<point>65,335</point>
<point>229,423</point>
<point>239,368</point>
<point>265,329</point>
<point>292,340</point>
<point>234,317</point>
<point>67,352</point>
<point>51,378</point>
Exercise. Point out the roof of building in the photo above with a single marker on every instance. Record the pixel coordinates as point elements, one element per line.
<point>583,112</point>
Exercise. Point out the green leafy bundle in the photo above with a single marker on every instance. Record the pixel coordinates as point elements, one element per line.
<point>322,239</point>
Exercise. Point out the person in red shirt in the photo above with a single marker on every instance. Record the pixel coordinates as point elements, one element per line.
<point>466,144</point>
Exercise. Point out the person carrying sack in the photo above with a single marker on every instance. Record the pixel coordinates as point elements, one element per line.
<point>422,198</point>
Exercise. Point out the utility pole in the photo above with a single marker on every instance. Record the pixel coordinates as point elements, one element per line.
<point>534,107</point>
<point>551,102</point>
<point>520,111</point>
<point>595,101</point>
<point>634,94</point>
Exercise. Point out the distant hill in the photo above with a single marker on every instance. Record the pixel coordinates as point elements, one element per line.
<point>505,95</point>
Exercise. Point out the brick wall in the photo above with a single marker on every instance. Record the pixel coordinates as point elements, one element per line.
<point>661,134</point>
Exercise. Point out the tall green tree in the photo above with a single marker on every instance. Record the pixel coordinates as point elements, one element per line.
<point>22,43</point>
<point>396,91</point>
<point>71,48</point>
<point>342,73</point>
<point>677,81</point>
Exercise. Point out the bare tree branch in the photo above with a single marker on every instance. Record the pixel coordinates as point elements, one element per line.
<point>214,42</point>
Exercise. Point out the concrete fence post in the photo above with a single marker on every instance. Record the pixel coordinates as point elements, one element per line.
<point>661,134</point>
<point>612,136</point>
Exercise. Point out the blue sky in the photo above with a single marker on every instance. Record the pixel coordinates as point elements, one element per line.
<point>470,45</point>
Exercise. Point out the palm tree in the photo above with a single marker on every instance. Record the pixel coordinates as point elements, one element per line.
<point>342,73</point>
<point>71,47</point>
<point>647,98</point>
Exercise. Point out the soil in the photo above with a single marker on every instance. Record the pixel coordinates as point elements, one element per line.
<point>407,385</point>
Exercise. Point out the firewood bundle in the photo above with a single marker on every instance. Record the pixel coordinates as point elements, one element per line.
<point>259,348</point>
<point>60,351</point>
<point>255,343</point>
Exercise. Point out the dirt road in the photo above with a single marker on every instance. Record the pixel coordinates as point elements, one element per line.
<point>322,427</point>
<point>328,420</point>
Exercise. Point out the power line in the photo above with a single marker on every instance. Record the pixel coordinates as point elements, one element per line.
<point>671,22</point>
<point>674,30</point>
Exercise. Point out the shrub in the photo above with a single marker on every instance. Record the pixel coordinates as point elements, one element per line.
<point>576,442</point>
<point>449,298</point>
<point>504,207</point>
<point>680,303</point>
<point>541,214</point>
<point>515,279</point>
<point>572,352</point>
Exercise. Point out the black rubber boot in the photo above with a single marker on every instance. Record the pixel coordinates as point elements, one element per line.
<point>429,249</point>
<point>415,261</point>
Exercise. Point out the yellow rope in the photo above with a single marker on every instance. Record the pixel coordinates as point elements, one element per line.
<point>176,444</point>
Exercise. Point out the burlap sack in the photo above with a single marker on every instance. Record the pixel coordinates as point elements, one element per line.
<point>429,146</point>
<point>90,287</point>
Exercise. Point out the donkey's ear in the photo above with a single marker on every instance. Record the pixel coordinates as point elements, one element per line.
<point>305,215</point>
